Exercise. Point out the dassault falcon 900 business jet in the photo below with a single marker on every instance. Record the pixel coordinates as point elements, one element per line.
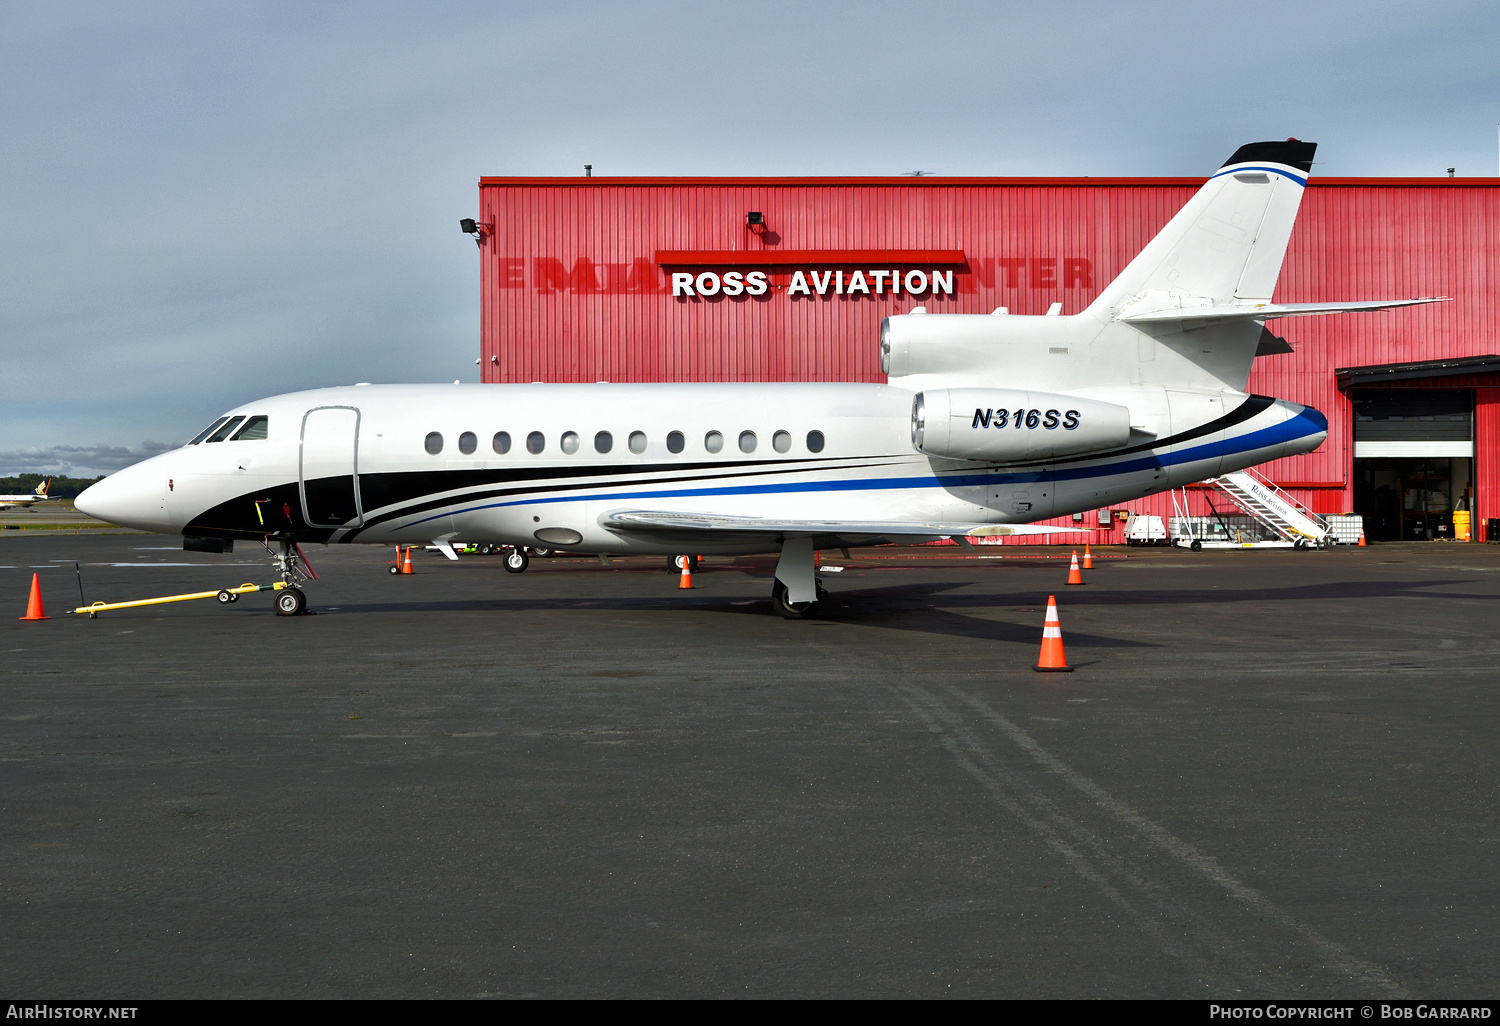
<point>986,424</point>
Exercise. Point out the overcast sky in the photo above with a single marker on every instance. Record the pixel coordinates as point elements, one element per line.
<point>202,204</point>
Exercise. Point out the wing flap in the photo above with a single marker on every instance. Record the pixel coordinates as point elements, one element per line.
<point>659,521</point>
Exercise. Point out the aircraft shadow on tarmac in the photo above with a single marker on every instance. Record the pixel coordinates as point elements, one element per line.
<point>936,607</point>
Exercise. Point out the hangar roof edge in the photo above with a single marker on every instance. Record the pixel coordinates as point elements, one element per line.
<point>665,181</point>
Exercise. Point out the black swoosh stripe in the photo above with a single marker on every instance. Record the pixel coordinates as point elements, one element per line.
<point>1251,407</point>
<point>534,485</point>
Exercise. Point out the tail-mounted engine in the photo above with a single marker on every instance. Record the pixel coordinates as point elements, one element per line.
<point>1006,425</point>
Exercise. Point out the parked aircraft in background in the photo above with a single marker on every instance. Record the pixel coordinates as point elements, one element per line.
<point>25,501</point>
<point>986,424</point>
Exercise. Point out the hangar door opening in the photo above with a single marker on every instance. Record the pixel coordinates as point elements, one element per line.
<point>1414,462</point>
<point>329,476</point>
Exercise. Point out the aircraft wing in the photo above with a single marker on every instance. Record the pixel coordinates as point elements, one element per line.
<point>1268,311</point>
<point>651,521</point>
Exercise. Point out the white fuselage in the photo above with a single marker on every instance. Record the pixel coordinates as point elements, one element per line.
<point>292,483</point>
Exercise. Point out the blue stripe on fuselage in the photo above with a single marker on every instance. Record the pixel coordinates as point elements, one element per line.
<point>1308,422</point>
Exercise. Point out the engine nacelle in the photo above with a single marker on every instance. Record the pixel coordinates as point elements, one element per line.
<point>1007,425</point>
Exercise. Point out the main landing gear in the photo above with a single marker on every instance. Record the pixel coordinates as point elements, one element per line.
<point>785,607</point>
<point>796,592</point>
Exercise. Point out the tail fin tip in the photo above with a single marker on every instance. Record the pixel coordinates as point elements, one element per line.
<point>1291,153</point>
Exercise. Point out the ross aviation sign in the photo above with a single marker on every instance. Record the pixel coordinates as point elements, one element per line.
<point>849,274</point>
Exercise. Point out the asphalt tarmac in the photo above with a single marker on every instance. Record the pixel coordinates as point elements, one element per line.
<point>1271,774</point>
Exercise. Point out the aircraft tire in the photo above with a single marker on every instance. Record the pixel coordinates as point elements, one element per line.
<point>675,563</point>
<point>542,553</point>
<point>290,602</point>
<point>790,610</point>
<point>517,560</point>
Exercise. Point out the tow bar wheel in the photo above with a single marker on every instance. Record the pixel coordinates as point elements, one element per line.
<point>226,597</point>
<point>290,602</point>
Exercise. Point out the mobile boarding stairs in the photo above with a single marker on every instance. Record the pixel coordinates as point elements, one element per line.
<point>1266,516</point>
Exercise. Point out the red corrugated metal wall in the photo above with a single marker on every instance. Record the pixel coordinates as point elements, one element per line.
<point>571,290</point>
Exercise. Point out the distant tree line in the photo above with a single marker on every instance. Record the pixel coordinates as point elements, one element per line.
<point>62,487</point>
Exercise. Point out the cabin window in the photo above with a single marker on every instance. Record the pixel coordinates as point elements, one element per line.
<point>675,442</point>
<point>747,441</point>
<point>201,435</point>
<point>535,442</point>
<point>781,441</point>
<point>637,442</point>
<point>604,441</point>
<point>223,432</point>
<point>569,442</point>
<point>434,443</point>
<point>255,430</point>
<point>815,441</point>
<point>467,443</point>
<point>501,443</point>
<point>713,442</point>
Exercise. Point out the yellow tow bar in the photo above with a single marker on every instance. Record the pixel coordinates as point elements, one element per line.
<point>244,589</point>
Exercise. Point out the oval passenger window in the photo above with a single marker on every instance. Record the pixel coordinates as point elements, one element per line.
<point>815,441</point>
<point>747,441</point>
<point>535,443</point>
<point>569,442</point>
<point>604,441</point>
<point>637,442</point>
<point>467,443</point>
<point>675,441</point>
<point>781,441</point>
<point>434,443</point>
<point>713,442</point>
<point>501,442</point>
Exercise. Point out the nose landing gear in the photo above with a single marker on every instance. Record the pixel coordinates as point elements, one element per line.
<point>291,563</point>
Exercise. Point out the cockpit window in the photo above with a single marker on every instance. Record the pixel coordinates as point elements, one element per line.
<point>223,432</point>
<point>254,430</point>
<point>201,435</point>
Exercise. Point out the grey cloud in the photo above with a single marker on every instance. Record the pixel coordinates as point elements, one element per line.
<point>78,460</point>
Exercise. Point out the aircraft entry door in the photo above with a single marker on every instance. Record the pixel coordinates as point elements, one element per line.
<point>329,470</point>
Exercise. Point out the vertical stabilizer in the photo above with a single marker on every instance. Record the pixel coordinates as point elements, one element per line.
<point>1226,244</point>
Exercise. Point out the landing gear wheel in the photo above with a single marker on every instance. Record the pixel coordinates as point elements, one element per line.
<point>542,553</point>
<point>676,563</point>
<point>290,602</point>
<point>790,610</point>
<point>516,561</point>
<point>226,597</point>
<point>1197,545</point>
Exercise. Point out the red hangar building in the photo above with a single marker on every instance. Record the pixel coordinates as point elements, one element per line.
<point>787,279</point>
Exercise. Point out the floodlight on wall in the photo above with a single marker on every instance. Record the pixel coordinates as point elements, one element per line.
<point>474,228</point>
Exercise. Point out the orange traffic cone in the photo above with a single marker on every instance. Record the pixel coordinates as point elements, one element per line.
<point>406,564</point>
<point>1088,557</point>
<point>686,580</point>
<point>1362,544</point>
<point>1052,659</point>
<point>34,609</point>
<point>1074,577</point>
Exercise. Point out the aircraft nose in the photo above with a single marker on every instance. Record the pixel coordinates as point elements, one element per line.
<point>132,497</point>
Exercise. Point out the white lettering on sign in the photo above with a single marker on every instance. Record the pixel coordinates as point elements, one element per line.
<point>833,282</point>
<point>734,283</point>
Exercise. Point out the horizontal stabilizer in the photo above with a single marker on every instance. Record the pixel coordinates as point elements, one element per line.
<point>1267,311</point>
<point>647,520</point>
